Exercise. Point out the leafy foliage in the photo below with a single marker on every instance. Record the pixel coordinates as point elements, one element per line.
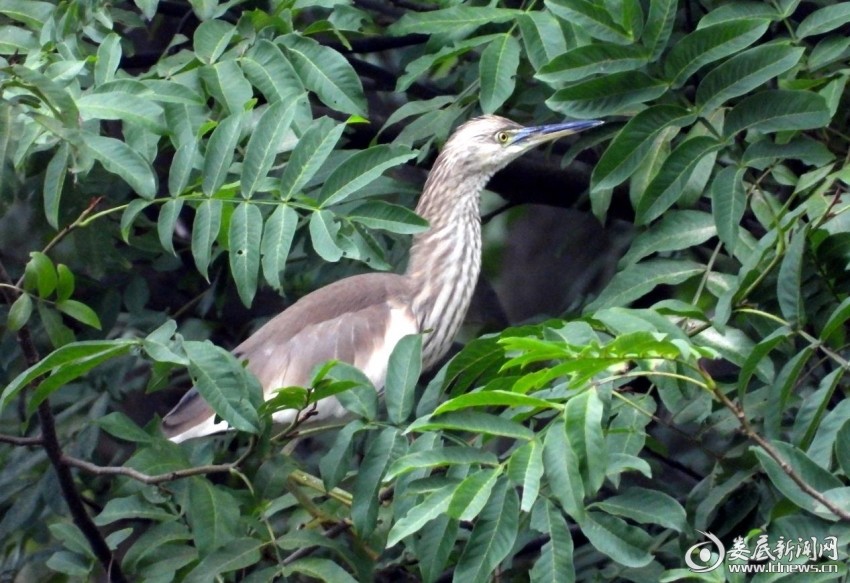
<point>703,389</point>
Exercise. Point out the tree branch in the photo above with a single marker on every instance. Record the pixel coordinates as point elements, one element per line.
<point>21,441</point>
<point>50,443</point>
<point>156,478</point>
<point>751,433</point>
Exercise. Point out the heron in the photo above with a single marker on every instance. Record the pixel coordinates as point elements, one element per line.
<point>359,319</point>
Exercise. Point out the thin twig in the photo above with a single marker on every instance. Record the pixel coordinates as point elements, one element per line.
<point>22,441</point>
<point>156,478</point>
<point>53,449</point>
<point>66,230</point>
<point>753,435</point>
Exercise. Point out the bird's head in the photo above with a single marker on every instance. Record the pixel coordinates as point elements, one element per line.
<point>490,142</point>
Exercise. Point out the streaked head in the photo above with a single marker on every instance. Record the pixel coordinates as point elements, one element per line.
<point>490,142</point>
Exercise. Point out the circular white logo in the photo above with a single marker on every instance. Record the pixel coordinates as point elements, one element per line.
<point>701,562</point>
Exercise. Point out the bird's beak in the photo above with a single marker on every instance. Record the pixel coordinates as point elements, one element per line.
<point>540,134</point>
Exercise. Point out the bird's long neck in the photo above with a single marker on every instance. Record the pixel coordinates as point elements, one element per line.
<point>445,260</point>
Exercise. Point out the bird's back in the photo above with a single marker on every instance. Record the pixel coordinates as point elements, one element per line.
<point>357,320</point>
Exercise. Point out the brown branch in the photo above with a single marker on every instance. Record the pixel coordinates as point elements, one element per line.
<point>50,443</point>
<point>156,478</point>
<point>21,441</point>
<point>753,435</point>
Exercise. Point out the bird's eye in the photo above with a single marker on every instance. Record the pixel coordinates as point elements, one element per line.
<point>502,137</point>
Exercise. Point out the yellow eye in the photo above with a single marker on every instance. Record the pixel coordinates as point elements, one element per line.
<point>502,137</point>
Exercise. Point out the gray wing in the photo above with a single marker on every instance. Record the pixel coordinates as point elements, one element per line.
<point>357,320</point>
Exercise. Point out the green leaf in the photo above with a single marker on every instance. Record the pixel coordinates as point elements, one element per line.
<point>379,455</point>
<point>246,227</point>
<point>728,203</point>
<point>431,507</point>
<point>309,154</point>
<point>733,345</point>
<point>525,469</point>
<point>119,425</point>
<point>555,564</point>
<point>842,448</point>
<point>824,19</point>
<point>588,60</point>
<point>165,225</point>
<point>676,230</point>
<point>778,110</point>
<point>66,364</point>
<point>54,182</point>
<point>765,152</point>
<point>277,240</point>
<point>497,72</point>
<point>403,371</point>
<point>32,13</point>
<point>57,332</point>
<point>120,105</point>
<point>323,231</point>
<point>219,154</point>
<point>52,93</point>
<point>492,399</point>
<point>646,507</point>
<point>322,569</point>
<point>744,72</point>
<point>325,72</point>
<point>205,230</point>
<point>668,186</point>
<point>759,352</point>
<point>213,514</point>
<point>64,283</point>
<point>271,72</point>
<point>264,143</point>
<point>336,462</point>
<point>379,214</point>
<point>626,544</point>
<point>232,392</point>
<point>227,84</point>
<point>638,280</point>
<point>473,422</point>
<point>709,44</point>
<point>41,268</point>
<point>542,37</point>
<point>634,142</point>
<point>118,158</point>
<point>359,170</point>
<point>606,95</point>
<point>583,422</point>
<point>659,26</point>
<point>19,313</point>
<point>211,39</point>
<point>788,282</point>
<point>592,17</point>
<point>130,507</point>
<point>492,537</point>
<point>561,465</point>
<point>449,19</point>
<point>238,553</point>
<point>181,167</point>
<point>836,319</point>
<point>444,456</point>
<point>79,312</point>
<point>472,494</point>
